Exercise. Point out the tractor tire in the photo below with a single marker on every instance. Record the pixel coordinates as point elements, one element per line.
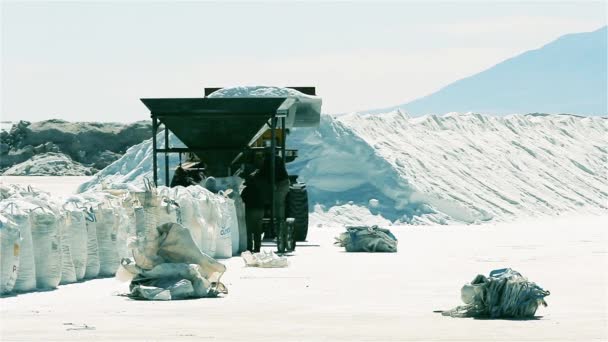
<point>296,206</point>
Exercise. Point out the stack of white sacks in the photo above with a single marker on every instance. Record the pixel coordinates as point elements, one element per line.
<point>45,241</point>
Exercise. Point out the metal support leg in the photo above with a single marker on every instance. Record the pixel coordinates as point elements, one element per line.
<point>283,140</point>
<point>273,152</point>
<point>166,157</point>
<point>154,148</point>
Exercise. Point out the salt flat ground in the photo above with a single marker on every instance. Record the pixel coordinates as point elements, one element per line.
<point>327,294</point>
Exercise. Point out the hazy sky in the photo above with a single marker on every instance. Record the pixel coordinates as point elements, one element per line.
<point>93,61</point>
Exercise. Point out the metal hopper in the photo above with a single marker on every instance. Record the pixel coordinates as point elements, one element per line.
<point>216,130</point>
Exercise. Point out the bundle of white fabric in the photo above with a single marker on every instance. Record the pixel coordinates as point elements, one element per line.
<point>367,239</point>
<point>171,266</point>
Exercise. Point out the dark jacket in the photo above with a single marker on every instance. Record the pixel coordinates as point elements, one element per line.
<point>257,192</point>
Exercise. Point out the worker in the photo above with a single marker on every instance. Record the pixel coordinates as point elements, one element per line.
<point>253,197</point>
<point>257,196</point>
<point>281,185</point>
<point>181,178</point>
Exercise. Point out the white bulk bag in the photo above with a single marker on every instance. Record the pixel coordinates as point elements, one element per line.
<point>106,240</point>
<point>76,237</point>
<point>124,225</point>
<point>140,221</point>
<point>92,266</point>
<point>18,211</point>
<point>188,214</point>
<point>207,215</point>
<point>10,241</point>
<point>46,239</point>
<point>233,222</point>
<point>146,218</point>
<point>223,247</point>
<point>68,273</point>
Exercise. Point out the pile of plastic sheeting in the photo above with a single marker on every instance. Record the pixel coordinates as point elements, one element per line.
<point>367,239</point>
<point>264,259</point>
<point>504,294</point>
<point>167,265</point>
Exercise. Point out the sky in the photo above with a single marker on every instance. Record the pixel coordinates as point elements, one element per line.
<point>92,61</point>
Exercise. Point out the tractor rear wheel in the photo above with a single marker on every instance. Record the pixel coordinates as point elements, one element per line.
<point>297,207</point>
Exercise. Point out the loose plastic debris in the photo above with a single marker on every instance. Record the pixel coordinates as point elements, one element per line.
<point>172,267</point>
<point>264,259</point>
<point>504,294</point>
<point>367,239</point>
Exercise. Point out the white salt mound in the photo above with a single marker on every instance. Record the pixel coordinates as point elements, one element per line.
<point>456,168</point>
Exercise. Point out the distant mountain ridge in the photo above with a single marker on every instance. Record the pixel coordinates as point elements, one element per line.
<point>568,75</point>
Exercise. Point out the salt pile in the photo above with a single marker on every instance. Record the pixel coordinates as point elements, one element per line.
<point>456,168</point>
<point>429,170</point>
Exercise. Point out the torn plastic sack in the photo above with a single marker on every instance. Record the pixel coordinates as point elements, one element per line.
<point>171,281</point>
<point>264,259</point>
<point>504,294</point>
<point>178,268</point>
<point>367,239</point>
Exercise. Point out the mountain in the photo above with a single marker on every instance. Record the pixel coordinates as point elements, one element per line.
<point>568,75</point>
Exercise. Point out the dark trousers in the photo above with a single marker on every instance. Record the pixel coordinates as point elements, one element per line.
<point>253,217</point>
<point>254,214</point>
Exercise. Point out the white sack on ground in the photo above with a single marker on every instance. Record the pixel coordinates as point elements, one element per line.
<point>106,240</point>
<point>224,208</point>
<point>47,247</point>
<point>208,220</point>
<point>145,246</point>
<point>68,273</point>
<point>181,270</point>
<point>264,259</point>
<point>10,241</point>
<point>126,229</point>
<point>233,223</point>
<point>76,238</point>
<point>367,239</point>
<point>92,265</point>
<point>226,195</point>
<point>188,213</point>
<point>17,211</point>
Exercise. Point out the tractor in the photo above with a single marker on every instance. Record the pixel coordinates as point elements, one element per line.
<point>229,136</point>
